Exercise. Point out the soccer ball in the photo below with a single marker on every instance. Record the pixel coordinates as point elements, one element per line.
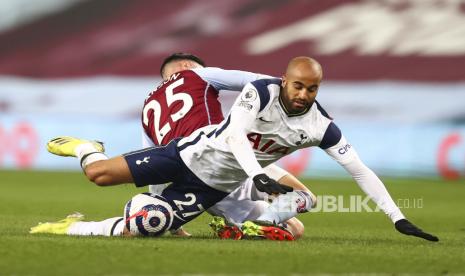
<point>148,215</point>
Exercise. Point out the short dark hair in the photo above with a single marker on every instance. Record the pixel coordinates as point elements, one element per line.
<point>180,56</point>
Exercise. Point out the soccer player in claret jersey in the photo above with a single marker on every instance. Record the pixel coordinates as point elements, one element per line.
<point>270,119</point>
<point>186,100</point>
<point>177,108</point>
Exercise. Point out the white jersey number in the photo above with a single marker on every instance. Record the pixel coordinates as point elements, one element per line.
<point>191,199</point>
<point>161,131</point>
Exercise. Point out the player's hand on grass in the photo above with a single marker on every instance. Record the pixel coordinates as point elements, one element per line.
<point>406,227</point>
<point>270,186</point>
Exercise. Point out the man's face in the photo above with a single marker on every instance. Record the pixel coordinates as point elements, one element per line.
<point>299,89</point>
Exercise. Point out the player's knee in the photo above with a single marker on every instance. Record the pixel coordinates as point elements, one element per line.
<point>103,181</point>
<point>98,173</point>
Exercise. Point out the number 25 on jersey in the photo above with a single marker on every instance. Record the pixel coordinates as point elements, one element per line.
<point>162,127</point>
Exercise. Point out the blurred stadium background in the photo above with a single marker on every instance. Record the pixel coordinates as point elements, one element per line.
<point>394,80</point>
<point>394,72</point>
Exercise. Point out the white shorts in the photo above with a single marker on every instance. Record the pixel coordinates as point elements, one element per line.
<point>246,202</point>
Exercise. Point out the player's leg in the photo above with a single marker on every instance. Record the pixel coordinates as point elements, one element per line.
<point>266,230</point>
<point>179,204</point>
<point>246,203</point>
<point>223,229</point>
<point>292,225</point>
<point>190,199</point>
<point>246,210</point>
<point>157,165</point>
<point>73,225</point>
<point>109,172</point>
<point>232,211</point>
<point>153,165</point>
<point>278,218</point>
<point>290,230</point>
<point>145,214</point>
<point>296,227</point>
<point>108,227</point>
<point>96,165</point>
<point>188,196</point>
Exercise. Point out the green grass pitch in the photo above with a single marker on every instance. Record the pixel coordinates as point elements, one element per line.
<point>359,242</point>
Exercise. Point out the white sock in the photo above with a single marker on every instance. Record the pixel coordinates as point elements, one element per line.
<point>88,154</point>
<point>109,227</point>
<point>287,206</point>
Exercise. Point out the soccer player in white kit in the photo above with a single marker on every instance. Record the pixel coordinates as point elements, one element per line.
<point>270,119</point>
<point>196,91</point>
<point>178,107</point>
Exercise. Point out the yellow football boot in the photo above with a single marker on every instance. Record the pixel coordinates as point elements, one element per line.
<point>66,145</point>
<point>59,228</point>
<point>266,230</point>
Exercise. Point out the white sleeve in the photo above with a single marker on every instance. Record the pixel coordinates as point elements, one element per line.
<point>348,158</point>
<point>242,116</point>
<point>146,141</point>
<point>222,79</point>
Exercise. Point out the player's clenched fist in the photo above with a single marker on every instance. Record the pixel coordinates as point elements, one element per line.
<point>270,186</point>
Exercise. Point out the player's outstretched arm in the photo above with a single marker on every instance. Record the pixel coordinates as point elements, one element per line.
<point>347,157</point>
<point>232,80</point>
<point>406,227</point>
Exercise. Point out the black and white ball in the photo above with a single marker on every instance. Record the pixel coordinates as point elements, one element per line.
<point>148,215</point>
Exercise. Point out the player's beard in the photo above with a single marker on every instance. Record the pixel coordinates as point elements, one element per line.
<point>284,100</point>
<point>292,106</point>
<point>299,106</point>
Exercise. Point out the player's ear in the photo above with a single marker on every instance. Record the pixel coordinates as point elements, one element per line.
<point>283,81</point>
<point>188,65</point>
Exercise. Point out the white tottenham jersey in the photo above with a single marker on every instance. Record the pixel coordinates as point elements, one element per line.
<point>256,119</point>
<point>258,132</point>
